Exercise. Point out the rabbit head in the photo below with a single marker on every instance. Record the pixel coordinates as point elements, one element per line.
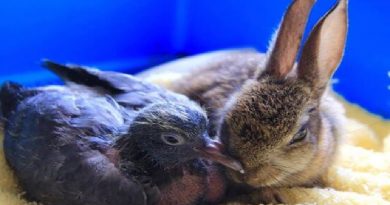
<point>280,123</point>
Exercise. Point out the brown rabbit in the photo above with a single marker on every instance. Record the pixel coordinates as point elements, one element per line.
<point>275,116</point>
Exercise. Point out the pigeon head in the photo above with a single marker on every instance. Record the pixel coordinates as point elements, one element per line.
<point>171,134</point>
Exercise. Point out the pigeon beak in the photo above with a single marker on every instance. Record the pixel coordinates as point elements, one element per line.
<point>212,152</point>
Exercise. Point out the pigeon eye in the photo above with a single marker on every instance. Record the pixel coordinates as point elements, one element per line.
<point>171,139</point>
<point>300,135</point>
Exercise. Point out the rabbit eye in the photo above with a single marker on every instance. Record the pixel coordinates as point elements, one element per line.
<point>172,139</point>
<point>312,110</point>
<point>300,135</point>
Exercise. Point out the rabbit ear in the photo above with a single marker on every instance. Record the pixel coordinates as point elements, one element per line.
<point>324,49</point>
<point>283,51</point>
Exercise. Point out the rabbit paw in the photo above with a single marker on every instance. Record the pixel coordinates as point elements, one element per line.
<point>268,196</point>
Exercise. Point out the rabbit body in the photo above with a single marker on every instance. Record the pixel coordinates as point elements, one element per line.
<point>227,79</point>
<point>272,113</point>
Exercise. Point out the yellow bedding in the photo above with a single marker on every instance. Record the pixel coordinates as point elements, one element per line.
<point>360,175</point>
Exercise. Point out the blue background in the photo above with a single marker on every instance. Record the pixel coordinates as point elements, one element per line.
<point>129,35</point>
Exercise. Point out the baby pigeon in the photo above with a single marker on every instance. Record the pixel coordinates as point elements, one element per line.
<point>116,140</point>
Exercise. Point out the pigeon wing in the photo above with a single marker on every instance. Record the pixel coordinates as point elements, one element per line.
<point>54,163</point>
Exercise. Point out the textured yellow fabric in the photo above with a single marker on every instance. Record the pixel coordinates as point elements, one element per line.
<point>345,179</point>
<point>360,135</point>
<point>363,160</point>
<point>360,174</point>
<point>375,123</point>
<point>386,144</point>
<point>328,196</point>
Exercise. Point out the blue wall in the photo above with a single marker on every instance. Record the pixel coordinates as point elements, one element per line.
<point>130,34</point>
<point>82,31</point>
